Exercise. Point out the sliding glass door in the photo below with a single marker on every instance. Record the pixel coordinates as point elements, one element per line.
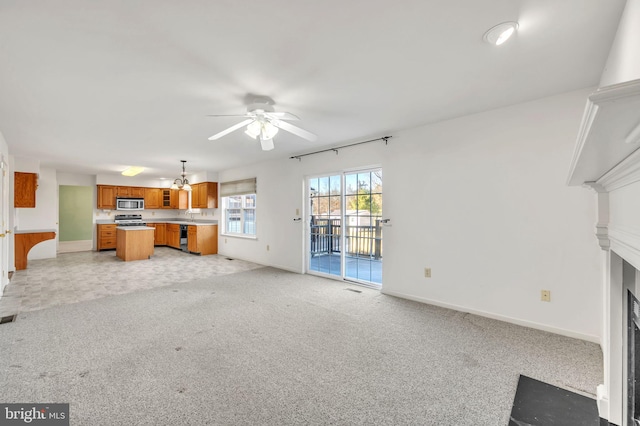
<point>345,226</point>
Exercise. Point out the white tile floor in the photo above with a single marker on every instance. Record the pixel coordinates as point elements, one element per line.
<point>75,277</point>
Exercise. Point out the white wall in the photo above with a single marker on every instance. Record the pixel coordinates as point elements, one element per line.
<point>481,200</point>
<point>623,63</point>
<point>141,180</point>
<point>75,179</point>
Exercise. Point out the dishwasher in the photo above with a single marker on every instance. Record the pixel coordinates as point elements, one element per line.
<point>184,235</point>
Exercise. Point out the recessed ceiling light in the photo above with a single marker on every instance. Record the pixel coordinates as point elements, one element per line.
<point>500,33</point>
<point>132,171</point>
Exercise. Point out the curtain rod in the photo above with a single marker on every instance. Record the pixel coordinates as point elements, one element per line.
<point>299,157</point>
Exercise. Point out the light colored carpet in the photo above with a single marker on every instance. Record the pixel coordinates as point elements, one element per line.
<point>269,347</point>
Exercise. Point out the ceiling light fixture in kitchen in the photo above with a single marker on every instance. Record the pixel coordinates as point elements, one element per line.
<point>132,171</point>
<point>182,183</point>
<point>500,33</point>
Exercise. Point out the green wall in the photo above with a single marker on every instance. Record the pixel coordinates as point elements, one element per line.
<point>76,213</point>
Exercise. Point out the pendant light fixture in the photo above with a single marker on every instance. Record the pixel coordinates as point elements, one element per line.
<point>182,183</point>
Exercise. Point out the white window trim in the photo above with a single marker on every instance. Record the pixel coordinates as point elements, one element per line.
<point>242,209</point>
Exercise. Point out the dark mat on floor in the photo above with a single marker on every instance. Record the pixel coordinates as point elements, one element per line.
<point>540,404</point>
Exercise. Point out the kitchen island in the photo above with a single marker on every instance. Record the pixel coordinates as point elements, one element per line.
<point>134,242</point>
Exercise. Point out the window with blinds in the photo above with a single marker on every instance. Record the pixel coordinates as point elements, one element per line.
<point>239,207</point>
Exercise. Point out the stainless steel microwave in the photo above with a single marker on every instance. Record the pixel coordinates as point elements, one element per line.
<point>129,203</point>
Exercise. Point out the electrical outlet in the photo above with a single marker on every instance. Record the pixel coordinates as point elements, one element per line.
<point>545,295</point>
<point>297,212</point>
<point>267,247</point>
<point>153,213</point>
<point>225,241</point>
<point>427,272</point>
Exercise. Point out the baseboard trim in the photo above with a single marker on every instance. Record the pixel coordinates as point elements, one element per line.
<point>269,265</point>
<point>517,321</point>
<point>74,246</point>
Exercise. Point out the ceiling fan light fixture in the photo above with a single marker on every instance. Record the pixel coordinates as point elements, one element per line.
<point>254,129</point>
<point>267,144</point>
<point>263,123</point>
<point>500,33</point>
<point>268,130</point>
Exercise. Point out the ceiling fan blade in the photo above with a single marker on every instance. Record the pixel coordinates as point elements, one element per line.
<point>230,115</point>
<point>295,130</point>
<point>231,129</point>
<point>282,115</point>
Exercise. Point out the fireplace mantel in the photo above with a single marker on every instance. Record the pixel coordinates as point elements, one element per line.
<point>607,160</point>
<point>609,132</point>
<point>623,238</point>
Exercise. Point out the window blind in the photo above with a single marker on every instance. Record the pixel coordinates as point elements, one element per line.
<point>238,187</point>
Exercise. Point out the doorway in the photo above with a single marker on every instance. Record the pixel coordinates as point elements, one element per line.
<point>75,218</point>
<point>345,226</point>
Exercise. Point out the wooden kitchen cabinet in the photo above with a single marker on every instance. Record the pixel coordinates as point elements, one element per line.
<point>152,198</point>
<point>183,199</point>
<point>160,235</point>
<point>195,196</point>
<point>204,195</point>
<point>169,199</point>
<point>136,192</point>
<point>24,189</point>
<point>202,239</point>
<point>106,237</point>
<point>134,244</point>
<point>130,192</point>
<point>122,191</point>
<point>107,197</point>
<point>173,235</point>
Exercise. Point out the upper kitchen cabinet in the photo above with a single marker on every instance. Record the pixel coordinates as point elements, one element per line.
<point>152,198</point>
<point>107,197</point>
<point>25,185</point>
<point>183,199</point>
<point>204,195</point>
<point>169,198</point>
<point>130,192</point>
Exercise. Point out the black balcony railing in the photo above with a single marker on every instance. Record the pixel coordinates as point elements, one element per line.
<point>360,240</point>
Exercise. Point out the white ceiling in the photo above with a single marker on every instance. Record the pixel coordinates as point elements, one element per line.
<point>92,87</point>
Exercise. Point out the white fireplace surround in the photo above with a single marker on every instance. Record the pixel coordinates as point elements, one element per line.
<point>607,159</point>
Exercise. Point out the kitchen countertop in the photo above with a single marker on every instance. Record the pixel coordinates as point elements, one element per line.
<point>176,221</point>
<point>135,228</point>
<point>33,231</point>
<point>182,222</point>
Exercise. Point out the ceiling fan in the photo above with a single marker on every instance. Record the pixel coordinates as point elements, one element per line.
<point>263,122</point>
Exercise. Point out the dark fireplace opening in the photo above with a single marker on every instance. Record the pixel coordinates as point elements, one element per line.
<point>633,360</point>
